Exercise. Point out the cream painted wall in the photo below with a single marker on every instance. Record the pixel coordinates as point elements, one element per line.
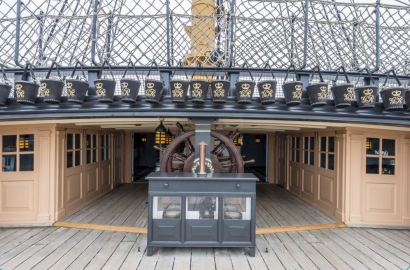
<point>53,191</point>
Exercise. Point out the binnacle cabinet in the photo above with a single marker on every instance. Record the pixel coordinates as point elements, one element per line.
<point>188,211</point>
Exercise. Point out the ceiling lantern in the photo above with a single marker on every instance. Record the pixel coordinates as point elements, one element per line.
<point>160,135</point>
<point>144,138</point>
<point>257,139</point>
<point>238,139</point>
<point>168,137</point>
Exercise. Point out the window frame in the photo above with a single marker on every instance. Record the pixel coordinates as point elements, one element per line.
<point>310,161</point>
<point>74,149</point>
<point>92,148</point>
<point>18,152</point>
<point>326,152</point>
<point>294,150</point>
<point>104,148</point>
<point>380,156</point>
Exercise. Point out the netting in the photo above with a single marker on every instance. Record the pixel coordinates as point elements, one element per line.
<point>213,31</point>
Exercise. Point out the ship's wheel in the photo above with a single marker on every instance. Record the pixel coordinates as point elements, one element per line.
<point>179,156</point>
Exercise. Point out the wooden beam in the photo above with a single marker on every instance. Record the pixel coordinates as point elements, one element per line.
<point>300,228</point>
<point>100,227</point>
<point>145,231</point>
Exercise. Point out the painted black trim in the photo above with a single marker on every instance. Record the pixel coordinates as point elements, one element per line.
<point>91,108</point>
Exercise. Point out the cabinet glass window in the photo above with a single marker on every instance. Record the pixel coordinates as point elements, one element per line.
<point>309,150</point>
<point>201,208</point>
<point>294,149</point>
<point>166,207</point>
<point>73,150</point>
<point>327,153</point>
<point>380,159</point>
<point>91,148</point>
<point>237,208</point>
<point>13,147</point>
<point>105,147</point>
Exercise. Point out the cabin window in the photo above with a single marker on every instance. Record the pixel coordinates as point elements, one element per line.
<point>92,148</point>
<point>380,156</point>
<point>23,153</point>
<point>73,150</point>
<point>327,152</point>
<point>105,147</point>
<point>309,150</point>
<point>294,149</point>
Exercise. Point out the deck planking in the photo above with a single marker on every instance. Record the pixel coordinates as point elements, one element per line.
<point>69,248</point>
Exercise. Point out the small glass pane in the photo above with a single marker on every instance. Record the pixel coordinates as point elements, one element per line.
<point>305,157</point>
<point>312,143</point>
<point>102,154</point>
<point>201,208</point>
<point>322,160</point>
<point>166,207</point>
<point>77,141</point>
<point>372,165</point>
<point>297,155</point>
<point>107,140</point>
<point>312,158</point>
<point>9,143</point>
<point>293,142</point>
<point>292,155</point>
<point>372,146</point>
<point>94,155</point>
<point>389,147</point>
<point>94,141</point>
<point>26,162</point>
<point>69,159</point>
<point>89,141</point>
<point>26,142</point>
<point>331,161</point>
<point>9,163</point>
<point>88,156</point>
<point>388,165</point>
<point>306,144</point>
<point>107,153</point>
<point>102,141</point>
<point>70,141</point>
<point>323,144</point>
<point>331,147</point>
<point>77,158</point>
<point>297,142</point>
<point>237,208</point>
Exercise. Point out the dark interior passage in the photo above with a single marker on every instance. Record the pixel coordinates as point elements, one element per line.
<point>146,158</point>
<point>254,147</point>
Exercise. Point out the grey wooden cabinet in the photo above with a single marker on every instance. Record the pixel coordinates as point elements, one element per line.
<point>188,211</point>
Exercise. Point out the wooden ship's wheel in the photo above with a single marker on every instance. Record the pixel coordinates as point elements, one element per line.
<point>179,155</point>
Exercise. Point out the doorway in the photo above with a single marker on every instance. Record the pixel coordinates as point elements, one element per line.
<point>254,147</point>
<point>145,157</point>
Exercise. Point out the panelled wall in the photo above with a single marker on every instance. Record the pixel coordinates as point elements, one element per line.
<point>50,171</point>
<point>89,167</point>
<point>378,177</point>
<point>358,176</point>
<point>26,176</point>
<point>308,165</point>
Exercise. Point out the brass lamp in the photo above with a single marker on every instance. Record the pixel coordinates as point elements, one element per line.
<point>144,138</point>
<point>160,135</point>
